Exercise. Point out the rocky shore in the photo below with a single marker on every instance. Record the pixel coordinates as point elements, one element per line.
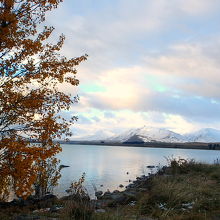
<point>129,196</point>
<point>182,190</point>
<point>37,207</point>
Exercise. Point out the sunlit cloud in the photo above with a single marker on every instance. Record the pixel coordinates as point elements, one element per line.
<point>152,63</point>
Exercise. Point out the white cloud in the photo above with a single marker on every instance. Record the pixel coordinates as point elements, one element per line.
<point>178,124</point>
<point>124,120</point>
<point>188,74</point>
<point>151,59</point>
<point>197,7</point>
<point>193,67</point>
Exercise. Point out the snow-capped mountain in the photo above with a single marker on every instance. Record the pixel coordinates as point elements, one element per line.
<point>150,134</point>
<point>204,135</point>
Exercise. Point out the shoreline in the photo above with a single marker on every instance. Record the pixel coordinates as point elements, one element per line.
<point>165,193</point>
<point>193,146</point>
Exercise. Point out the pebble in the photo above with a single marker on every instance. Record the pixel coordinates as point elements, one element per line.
<point>100,211</point>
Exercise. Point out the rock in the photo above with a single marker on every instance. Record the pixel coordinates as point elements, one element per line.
<point>128,196</point>
<point>55,208</point>
<point>116,197</point>
<point>141,178</point>
<point>48,196</point>
<point>150,167</point>
<point>63,166</point>
<point>98,194</point>
<point>46,201</point>
<point>132,203</point>
<point>132,185</point>
<point>41,210</point>
<point>100,211</point>
<point>107,195</point>
<point>68,191</point>
<point>119,198</point>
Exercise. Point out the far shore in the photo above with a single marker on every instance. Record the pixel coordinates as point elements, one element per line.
<point>194,145</point>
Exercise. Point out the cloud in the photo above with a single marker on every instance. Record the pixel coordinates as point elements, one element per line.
<point>194,108</point>
<point>108,114</point>
<point>84,120</point>
<point>194,67</point>
<point>182,81</point>
<point>150,62</point>
<point>180,125</point>
<point>197,7</point>
<point>126,119</point>
<point>120,32</point>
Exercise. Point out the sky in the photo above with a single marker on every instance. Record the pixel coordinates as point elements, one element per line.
<point>153,63</point>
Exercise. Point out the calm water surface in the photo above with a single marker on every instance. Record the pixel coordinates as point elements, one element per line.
<point>108,165</point>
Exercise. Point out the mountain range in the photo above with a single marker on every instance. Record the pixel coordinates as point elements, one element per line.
<point>152,134</point>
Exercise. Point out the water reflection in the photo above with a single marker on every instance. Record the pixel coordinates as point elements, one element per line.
<point>108,165</point>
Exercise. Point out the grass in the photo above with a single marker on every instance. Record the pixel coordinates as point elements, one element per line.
<point>186,190</point>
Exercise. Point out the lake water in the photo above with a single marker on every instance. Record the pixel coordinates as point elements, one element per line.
<point>108,165</point>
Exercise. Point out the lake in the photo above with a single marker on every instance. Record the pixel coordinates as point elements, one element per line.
<point>111,166</point>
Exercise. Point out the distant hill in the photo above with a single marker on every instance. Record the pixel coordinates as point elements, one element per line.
<point>147,134</point>
<point>206,135</point>
<point>150,134</point>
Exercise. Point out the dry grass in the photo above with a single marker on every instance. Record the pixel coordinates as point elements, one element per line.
<point>187,190</point>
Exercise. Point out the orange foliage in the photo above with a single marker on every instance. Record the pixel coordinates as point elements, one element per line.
<point>47,177</point>
<point>31,70</point>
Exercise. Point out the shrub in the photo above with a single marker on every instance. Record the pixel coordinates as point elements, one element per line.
<point>77,204</point>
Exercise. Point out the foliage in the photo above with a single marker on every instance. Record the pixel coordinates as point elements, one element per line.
<point>78,204</point>
<point>47,176</point>
<point>77,191</point>
<point>31,71</point>
<point>180,165</point>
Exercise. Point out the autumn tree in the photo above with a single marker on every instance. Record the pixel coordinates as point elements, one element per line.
<point>31,70</point>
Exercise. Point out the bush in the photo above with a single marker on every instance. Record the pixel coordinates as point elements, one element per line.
<point>77,204</point>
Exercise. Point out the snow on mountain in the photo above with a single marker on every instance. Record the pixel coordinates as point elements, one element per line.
<point>150,134</point>
<point>204,135</point>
